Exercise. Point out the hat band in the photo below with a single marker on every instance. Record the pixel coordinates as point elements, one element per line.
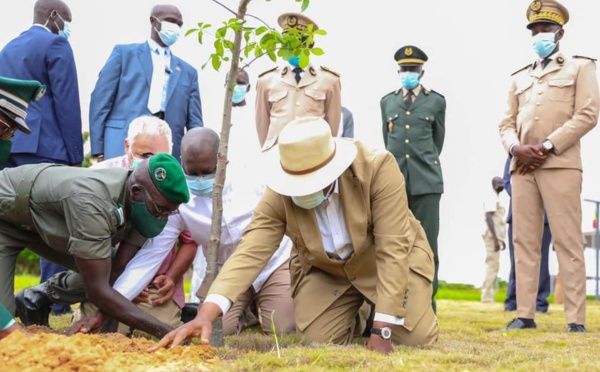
<point>17,110</point>
<point>410,60</point>
<point>547,16</point>
<point>310,170</point>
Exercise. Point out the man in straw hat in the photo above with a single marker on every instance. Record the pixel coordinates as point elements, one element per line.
<point>286,93</point>
<point>344,206</point>
<point>552,103</point>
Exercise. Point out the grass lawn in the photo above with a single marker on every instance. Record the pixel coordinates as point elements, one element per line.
<point>467,342</point>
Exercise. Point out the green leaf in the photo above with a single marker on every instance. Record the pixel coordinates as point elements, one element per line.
<point>320,32</point>
<point>219,48</point>
<point>304,5</point>
<point>228,44</point>
<point>261,30</point>
<point>221,32</point>
<point>216,62</point>
<point>191,31</point>
<point>304,60</point>
<point>272,56</point>
<point>317,51</point>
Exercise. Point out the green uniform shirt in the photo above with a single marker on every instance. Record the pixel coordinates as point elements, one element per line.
<point>415,137</point>
<point>75,211</point>
<point>6,320</point>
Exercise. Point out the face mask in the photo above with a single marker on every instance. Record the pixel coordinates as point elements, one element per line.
<point>201,185</point>
<point>544,43</point>
<point>136,162</point>
<point>66,31</point>
<point>5,147</point>
<point>169,32</point>
<point>309,201</point>
<point>409,79</point>
<point>148,225</point>
<point>294,61</point>
<point>239,93</point>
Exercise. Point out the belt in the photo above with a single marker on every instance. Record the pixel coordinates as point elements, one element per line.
<point>23,196</point>
<point>160,115</point>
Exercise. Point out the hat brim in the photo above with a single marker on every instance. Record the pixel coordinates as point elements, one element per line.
<point>299,185</point>
<point>530,25</point>
<point>18,121</point>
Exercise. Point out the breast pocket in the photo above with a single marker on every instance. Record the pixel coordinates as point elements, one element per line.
<point>277,101</point>
<point>561,89</point>
<point>523,92</point>
<point>315,102</point>
<point>426,126</point>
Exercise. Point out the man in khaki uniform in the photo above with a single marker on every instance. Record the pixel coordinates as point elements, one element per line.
<point>354,240</point>
<point>73,217</point>
<point>552,103</point>
<point>494,238</point>
<point>283,94</point>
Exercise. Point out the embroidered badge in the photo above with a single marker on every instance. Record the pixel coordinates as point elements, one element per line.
<point>408,52</point>
<point>160,174</point>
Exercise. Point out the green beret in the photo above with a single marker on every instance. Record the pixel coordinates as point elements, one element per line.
<point>15,96</point>
<point>410,55</point>
<point>168,177</point>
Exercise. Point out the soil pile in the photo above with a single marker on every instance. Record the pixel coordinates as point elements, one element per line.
<point>107,352</point>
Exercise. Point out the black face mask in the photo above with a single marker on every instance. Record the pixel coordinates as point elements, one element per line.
<point>499,189</point>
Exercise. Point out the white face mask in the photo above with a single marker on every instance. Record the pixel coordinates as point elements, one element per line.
<point>309,201</point>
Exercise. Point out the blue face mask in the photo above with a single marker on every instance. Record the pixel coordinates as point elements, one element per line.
<point>294,61</point>
<point>544,43</point>
<point>239,93</point>
<point>169,32</point>
<point>409,79</point>
<point>201,185</point>
<point>309,201</point>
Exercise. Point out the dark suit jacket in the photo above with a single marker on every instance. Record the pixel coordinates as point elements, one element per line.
<point>121,95</point>
<point>55,120</point>
<point>347,123</point>
<point>416,136</point>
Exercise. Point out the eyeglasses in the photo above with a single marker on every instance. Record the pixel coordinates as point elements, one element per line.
<point>10,129</point>
<point>161,212</point>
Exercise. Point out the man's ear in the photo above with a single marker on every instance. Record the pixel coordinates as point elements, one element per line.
<point>126,145</point>
<point>560,34</point>
<point>422,73</point>
<point>248,88</point>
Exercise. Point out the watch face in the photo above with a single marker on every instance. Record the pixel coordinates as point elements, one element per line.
<point>386,333</point>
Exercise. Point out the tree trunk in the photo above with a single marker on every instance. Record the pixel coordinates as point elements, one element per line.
<point>215,230</point>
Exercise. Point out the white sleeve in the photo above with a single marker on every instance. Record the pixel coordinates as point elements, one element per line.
<point>143,266</point>
<point>219,300</point>
<point>380,317</point>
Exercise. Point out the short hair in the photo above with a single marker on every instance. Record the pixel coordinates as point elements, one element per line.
<point>150,126</point>
<point>240,71</point>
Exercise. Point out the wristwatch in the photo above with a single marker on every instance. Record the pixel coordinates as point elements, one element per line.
<point>385,332</point>
<point>547,145</point>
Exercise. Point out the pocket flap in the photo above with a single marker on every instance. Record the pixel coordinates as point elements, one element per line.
<point>315,94</point>
<point>427,117</point>
<point>277,96</point>
<point>120,124</point>
<point>560,82</point>
<point>523,86</point>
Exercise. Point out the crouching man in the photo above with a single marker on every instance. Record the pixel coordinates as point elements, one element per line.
<point>354,239</point>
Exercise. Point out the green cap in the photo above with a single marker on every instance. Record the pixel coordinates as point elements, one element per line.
<point>15,96</point>
<point>410,55</point>
<point>168,177</point>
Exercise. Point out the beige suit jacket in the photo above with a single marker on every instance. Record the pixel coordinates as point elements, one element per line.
<point>279,100</point>
<point>390,246</point>
<point>559,103</point>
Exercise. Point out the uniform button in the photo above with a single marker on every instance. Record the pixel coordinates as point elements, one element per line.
<point>538,104</point>
<point>336,293</point>
<point>540,81</point>
<point>389,119</point>
<point>540,91</point>
<point>353,278</point>
<point>407,156</point>
<point>297,103</point>
<point>406,140</point>
<point>537,118</point>
<point>297,89</point>
<point>396,116</point>
<point>426,117</point>
<point>408,113</point>
<point>407,126</point>
<point>435,162</point>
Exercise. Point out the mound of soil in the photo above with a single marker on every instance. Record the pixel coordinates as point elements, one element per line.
<point>43,351</point>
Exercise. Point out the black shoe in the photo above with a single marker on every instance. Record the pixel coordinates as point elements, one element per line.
<point>520,323</point>
<point>33,306</point>
<point>189,311</point>
<point>576,328</point>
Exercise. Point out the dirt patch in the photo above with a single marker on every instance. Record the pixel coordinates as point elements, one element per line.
<point>43,351</point>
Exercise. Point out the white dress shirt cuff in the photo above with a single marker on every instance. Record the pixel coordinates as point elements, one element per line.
<point>219,300</point>
<point>379,317</point>
<point>510,150</point>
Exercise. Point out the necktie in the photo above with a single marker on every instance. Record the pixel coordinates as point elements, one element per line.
<point>408,100</point>
<point>297,71</point>
<point>158,80</point>
<point>545,62</point>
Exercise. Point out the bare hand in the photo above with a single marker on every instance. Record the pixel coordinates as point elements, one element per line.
<point>497,245</point>
<point>166,287</point>
<point>16,327</point>
<point>91,324</point>
<point>379,344</point>
<point>529,157</point>
<point>142,297</point>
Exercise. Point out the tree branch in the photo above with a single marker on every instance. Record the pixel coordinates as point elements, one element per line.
<point>225,6</point>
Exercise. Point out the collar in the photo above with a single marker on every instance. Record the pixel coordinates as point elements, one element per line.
<point>154,46</point>
<point>42,26</point>
<point>550,57</point>
<point>415,91</point>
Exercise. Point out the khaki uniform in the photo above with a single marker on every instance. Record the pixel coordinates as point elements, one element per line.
<point>492,256</point>
<point>391,267</point>
<point>63,212</point>
<point>279,100</point>
<point>559,103</point>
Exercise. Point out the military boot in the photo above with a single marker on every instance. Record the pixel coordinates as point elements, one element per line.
<point>33,305</point>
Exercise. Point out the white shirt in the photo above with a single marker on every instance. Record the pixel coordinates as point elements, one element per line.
<point>195,217</point>
<point>161,70</point>
<point>244,149</point>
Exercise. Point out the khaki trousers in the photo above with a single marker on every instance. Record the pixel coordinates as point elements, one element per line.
<point>337,323</point>
<point>273,300</point>
<point>559,192</point>
<point>492,265</point>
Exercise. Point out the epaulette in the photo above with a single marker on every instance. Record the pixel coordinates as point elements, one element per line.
<point>266,72</point>
<point>433,91</point>
<point>390,93</point>
<point>519,70</point>
<point>591,59</point>
<point>330,70</point>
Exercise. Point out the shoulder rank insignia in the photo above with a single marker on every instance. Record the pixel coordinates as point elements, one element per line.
<point>591,59</point>
<point>119,216</point>
<point>312,71</point>
<point>433,91</point>
<point>330,71</point>
<point>266,72</point>
<point>390,93</point>
<point>519,70</point>
<point>560,60</point>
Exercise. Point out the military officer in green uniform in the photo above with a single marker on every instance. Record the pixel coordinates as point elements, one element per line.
<point>73,217</point>
<point>413,130</point>
<point>15,96</point>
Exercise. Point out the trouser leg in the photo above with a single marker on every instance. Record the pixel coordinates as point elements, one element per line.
<point>544,284</point>
<point>275,304</point>
<point>8,263</point>
<point>510,303</point>
<point>492,264</point>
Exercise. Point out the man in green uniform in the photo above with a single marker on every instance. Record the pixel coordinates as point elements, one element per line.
<point>413,130</point>
<point>73,217</point>
<point>15,96</point>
